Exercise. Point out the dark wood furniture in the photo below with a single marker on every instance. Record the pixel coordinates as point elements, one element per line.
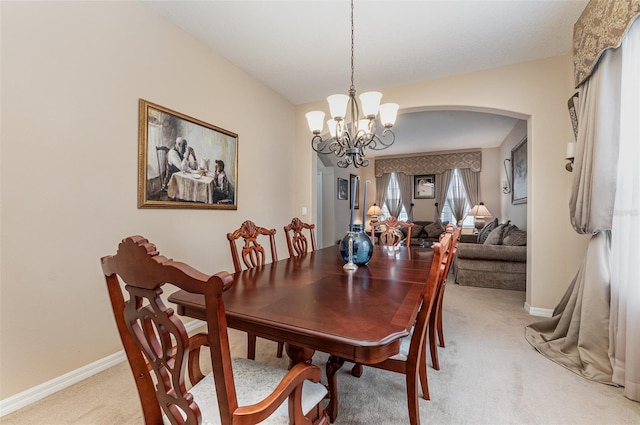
<point>160,353</point>
<point>436,320</point>
<point>252,254</point>
<point>411,361</point>
<point>390,233</point>
<point>311,303</point>
<point>297,242</point>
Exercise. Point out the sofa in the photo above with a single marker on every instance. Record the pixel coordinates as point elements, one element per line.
<point>425,232</point>
<point>496,259</point>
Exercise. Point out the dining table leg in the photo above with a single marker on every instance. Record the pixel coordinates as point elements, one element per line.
<point>333,365</point>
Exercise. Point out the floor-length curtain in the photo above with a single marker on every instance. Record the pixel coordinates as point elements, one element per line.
<point>470,180</point>
<point>405,183</point>
<point>382,184</point>
<point>624,349</point>
<point>442,184</point>
<point>605,201</point>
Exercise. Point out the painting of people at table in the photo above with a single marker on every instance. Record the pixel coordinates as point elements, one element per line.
<point>185,162</point>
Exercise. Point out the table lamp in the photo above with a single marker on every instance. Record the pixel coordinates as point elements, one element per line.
<point>479,212</point>
<point>374,211</point>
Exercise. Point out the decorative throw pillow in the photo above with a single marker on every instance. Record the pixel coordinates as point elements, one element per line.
<point>497,234</point>
<point>515,237</point>
<point>434,229</point>
<point>484,233</point>
<point>415,230</point>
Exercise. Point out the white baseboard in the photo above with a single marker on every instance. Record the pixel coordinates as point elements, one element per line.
<point>30,396</point>
<point>536,311</point>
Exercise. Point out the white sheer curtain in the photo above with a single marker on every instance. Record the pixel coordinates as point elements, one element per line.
<point>624,344</point>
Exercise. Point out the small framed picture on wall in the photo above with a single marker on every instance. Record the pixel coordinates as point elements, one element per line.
<point>424,186</point>
<point>343,189</point>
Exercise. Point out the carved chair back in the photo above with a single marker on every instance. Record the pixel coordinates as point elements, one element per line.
<point>252,252</point>
<point>297,242</point>
<point>154,338</point>
<point>390,232</point>
<point>160,352</point>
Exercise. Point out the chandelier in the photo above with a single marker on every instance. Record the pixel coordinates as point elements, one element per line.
<point>350,139</point>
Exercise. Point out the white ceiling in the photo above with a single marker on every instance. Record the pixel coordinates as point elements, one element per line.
<point>301,49</point>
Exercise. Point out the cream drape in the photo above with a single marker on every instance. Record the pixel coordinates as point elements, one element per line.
<point>405,183</point>
<point>442,184</point>
<point>600,312</point>
<point>470,180</point>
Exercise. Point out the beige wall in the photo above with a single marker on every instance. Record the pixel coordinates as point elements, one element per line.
<point>72,73</point>
<point>534,91</point>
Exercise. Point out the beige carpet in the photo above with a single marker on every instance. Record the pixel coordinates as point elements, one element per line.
<point>489,375</point>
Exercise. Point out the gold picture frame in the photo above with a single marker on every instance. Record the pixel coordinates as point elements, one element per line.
<point>184,162</point>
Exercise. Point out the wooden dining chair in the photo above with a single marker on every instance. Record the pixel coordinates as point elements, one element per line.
<point>252,254</point>
<point>411,360</point>
<point>389,232</point>
<point>297,242</point>
<point>436,320</point>
<point>161,354</point>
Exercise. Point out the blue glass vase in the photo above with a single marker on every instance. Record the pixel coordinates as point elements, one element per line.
<point>362,248</point>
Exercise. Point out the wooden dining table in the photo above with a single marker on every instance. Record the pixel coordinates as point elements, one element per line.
<point>310,303</point>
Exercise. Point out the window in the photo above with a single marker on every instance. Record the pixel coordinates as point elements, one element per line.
<point>455,191</point>
<point>393,194</point>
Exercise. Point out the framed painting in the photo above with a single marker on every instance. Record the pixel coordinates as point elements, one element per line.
<point>519,173</point>
<point>184,162</point>
<point>354,182</point>
<point>343,189</point>
<point>424,186</point>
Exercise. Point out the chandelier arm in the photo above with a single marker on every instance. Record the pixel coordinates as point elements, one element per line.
<point>377,140</point>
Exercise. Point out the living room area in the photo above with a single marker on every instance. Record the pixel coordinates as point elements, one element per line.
<point>487,145</point>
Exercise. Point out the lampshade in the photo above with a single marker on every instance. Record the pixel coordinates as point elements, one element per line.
<point>315,120</point>
<point>370,102</point>
<point>388,114</point>
<point>480,211</point>
<point>374,210</point>
<point>338,105</point>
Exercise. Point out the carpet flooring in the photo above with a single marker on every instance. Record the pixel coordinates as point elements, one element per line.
<point>489,375</point>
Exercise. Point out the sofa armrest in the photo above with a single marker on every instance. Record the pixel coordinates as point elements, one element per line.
<point>492,252</point>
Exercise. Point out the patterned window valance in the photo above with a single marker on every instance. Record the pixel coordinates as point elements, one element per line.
<point>601,26</point>
<point>429,164</point>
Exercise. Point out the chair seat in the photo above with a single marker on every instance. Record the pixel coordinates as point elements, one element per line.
<point>254,382</point>
<point>405,343</point>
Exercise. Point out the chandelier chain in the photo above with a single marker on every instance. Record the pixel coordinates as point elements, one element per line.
<point>352,39</point>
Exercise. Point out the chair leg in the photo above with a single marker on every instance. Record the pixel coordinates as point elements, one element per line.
<point>412,395</point>
<point>251,346</point>
<point>280,349</point>
<point>439,318</point>
<point>424,381</point>
<point>432,346</point>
